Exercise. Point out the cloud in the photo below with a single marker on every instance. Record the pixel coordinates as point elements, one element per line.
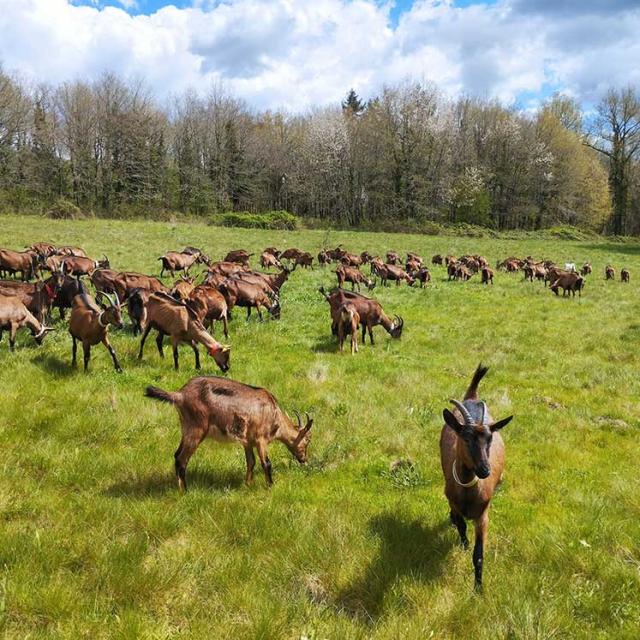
<point>296,53</point>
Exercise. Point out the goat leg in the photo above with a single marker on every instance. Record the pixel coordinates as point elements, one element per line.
<point>251,463</point>
<point>482,524</point>
<point>265,462</point>
<point>112,351</point>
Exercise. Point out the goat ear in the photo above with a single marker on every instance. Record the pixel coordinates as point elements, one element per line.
<point>451,420</point>
<point>501,423</point>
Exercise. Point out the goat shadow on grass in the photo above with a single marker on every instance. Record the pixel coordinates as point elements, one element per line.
<point>327,344</point>
<point>161,483</point>
<point>55,366</point>
<point>407,548</point>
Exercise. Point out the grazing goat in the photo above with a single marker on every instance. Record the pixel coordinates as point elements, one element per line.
<point>422,275</point>
<point>351,259</point>
<point>137,309</point>
<point>81,266</point>
<point>268,259</point>
<point>354,276</point>
<point>210,305</point>
<point>177,319</point>
<point>323,258</point>
<point>14,315</point>
<point>291,254</point>
<point>472,457</point>
<point>398,274</point>
<point>609,273</point>
<point>348,321</point>
<point>37,297</point>
<point>304,260</point>
<point>369,310</point>
<point>393,258</point>
<point>247,294</point>
<point>437,259</point>
<point>486,275</point>
<point>239,256</point>
<point>27,263</point>
<point>182,288</point>
<point>625,276</point>
<point>44,249</point>
<point>569,282</point>
<point>89,324</point>
<point>229,411</point>
<point>76,252</point>
<point>586,269</point>
<point>173,261</point>
<point>225,268</point>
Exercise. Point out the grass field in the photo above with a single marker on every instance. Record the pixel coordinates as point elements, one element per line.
<point>96,541</point>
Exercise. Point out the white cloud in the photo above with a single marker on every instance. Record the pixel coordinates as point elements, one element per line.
<point>295,53</point>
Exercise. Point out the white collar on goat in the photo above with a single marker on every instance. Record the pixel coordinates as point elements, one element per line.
<point>471,483</point>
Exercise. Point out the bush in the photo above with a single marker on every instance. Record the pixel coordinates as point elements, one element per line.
<point>246,220</point>
<point>64,209</point>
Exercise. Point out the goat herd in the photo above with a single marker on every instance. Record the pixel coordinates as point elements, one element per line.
<point>472,451</point>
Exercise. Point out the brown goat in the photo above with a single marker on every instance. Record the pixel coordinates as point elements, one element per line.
<point>229,411</point>
<point>422,275</point>
<point>348,321</point>
<point>437,259</point>
<point>225,268</point>
<point>25,262</point>
<point>71,251</point>
<point>38,297</point>
<point>239,256</point>
<point>268,259</point>
<point>370,312</point>
<point>569,282</point>
<point>173,261</point>
<point>291,254</point>
<point>486,275</point>
<point>354,276</point>
<point>398,274</point>
<point>137,308</point>
<point>210,305</point>
<point>625,276</point>
<point>45,249</point>
<point>472,458</point>
<point>323,258</point>
<point>304,260</point>
<point>182,288</point>
<point>239,293</point>
<point>81,266</point>
<point>89,324</point>
<point>14,315</point>
<point>609,273</point>
<point>586,269</point>
<point>170,317</point>
<point>393,258</point>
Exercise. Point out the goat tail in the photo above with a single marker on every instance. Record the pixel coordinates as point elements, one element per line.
<point>159,394</point>
<point>472,391</point>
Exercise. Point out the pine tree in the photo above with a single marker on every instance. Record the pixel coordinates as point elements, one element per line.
<point>353,104</point>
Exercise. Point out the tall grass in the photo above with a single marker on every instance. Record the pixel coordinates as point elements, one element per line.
<point>96,541</point>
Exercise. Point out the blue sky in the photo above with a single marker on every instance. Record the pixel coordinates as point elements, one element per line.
<point>294,54</point>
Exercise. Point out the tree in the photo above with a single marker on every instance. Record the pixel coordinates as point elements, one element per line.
<point>352,103</point>
<point>616,135</point>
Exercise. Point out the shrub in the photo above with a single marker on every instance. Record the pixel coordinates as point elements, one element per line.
<point>267,220</point>
<point>64,209</point>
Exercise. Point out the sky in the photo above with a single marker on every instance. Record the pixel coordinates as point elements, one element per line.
<point>295,54</point>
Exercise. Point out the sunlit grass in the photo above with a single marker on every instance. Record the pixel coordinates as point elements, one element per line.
<point>97,542</point>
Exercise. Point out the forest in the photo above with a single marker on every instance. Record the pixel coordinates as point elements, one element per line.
<point>409,156</point>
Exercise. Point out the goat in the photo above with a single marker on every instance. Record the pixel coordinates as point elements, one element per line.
<point>171,317</point>
<point>25,262</point>
<point>486,275</point>
<point>291,254</point>
<point>393,258</point>
<point>229,411</point>
<point>269,283</point>
<point>422,275</point>
<point>369,310</point>
<point>210,305</point>
<point>365,256</point>
<point>89,324</point>
<point>354,276</point>
<point>609,273</point>
<point>239,256</point>
<point>437,259</point>
<point>348,321</point>
<point>137,308</point>
<point>225,268</point>
<point>351,259</point>
<point>472,458</point>
<point>586,269</point>
<point>247,294</point>
<point>81,266</point>
<point>44,249</point>
<point>37,297</point>
<point>268,259</point>
<point>76,252</point>
<point>398,274</point>
<point>124,282</point>
<point>273,251</point>
<point>182,288</point>
<point>625,276</point>
<point>68,290</point>
<point>14,315</point>
<point>323,258</point>
<point>462,273</point>
<point>304,260</point>
<point>570,282</point>
<point>173,261</point>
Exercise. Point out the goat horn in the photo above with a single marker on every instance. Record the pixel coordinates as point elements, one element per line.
<point>299,419</point>
<point>484,414</point>
<point>463,410</point>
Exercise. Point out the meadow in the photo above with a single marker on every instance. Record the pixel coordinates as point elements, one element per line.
<point>97,542</point>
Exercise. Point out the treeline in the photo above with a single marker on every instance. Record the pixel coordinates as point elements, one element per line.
<point>109,147</point>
